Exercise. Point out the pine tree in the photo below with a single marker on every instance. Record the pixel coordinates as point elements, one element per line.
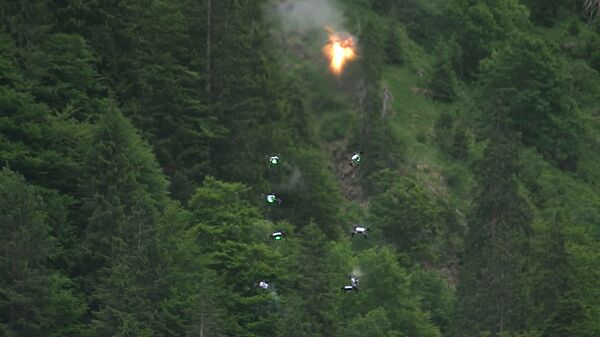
<point>34,299</point>
<point>310,194</point>
<point>64,76</point>
<point>154,71</point>
<point>384,284</point>
<point>558,293</point>
<point>120,175</point>
<point>386,148</point>
<point>375,323</point>
<point>396,44</point>
<point>492,295</point>
<point>483,25</point>
<point>315,276</point>
<point>443,82</point>
<point>242,95</point>
<point>407,215</point>
<point>544,12</point>
<point>39,144</point>
<point>529,83</point>
<point>26,21</point>
<point>371,66</point>
<point>124,194</point>
<point>232,238</point>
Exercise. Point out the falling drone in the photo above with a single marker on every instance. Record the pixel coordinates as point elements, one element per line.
<point>353,287</point>
<point>274,160</point>
<point>278,235</point>
<point>263,285</point>
<point>360,230</point>
<point>272,199</point>
<point>356,159</point>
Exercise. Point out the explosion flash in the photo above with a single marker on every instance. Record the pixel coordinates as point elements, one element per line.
<point>340,50</point>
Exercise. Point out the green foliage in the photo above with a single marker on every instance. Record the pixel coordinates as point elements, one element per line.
<point>121,181</point>
<point>232,238</point>
<point>385,148</point>
<point>311,194</point>
<point>451,136</point>
<point>544,12</point>
<point>443,82</point>
<point>92,243</point>
<point>65,76</point>
<point>410,219</point>
<point>385,289</point>
<point>437,297</point>
<point>27,21</point>
<point>375,323</point>
<point>371,66</point>
<point>561,310</point>
<point>424,20</point>
<point>483,25</point>
<point>396,45</point>
<point>124,194</point>
<point>41,145</point>
<point>528,91</point>
<point>34,299</point>
<point>492,295</point>
<point>315,281</point>
<point>586,46</point>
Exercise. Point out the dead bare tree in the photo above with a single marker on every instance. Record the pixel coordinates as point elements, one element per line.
<point>362,95</point>
<point>386,101</point>
<point>208,28</point>
<point>591,7</point>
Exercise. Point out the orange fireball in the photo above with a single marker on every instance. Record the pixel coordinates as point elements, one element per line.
<point>340,50</point>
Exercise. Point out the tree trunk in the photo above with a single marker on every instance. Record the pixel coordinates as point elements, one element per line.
<point>208,28</point>
<point>591,7</point>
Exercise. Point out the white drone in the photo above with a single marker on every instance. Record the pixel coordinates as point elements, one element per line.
<point>360,230</point>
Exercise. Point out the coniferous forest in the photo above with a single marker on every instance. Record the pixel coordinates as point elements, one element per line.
<point>193,168</point>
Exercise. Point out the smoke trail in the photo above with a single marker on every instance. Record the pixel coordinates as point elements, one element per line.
<point>357,272</point>
<point>303,16</point>
<point>292,182</point>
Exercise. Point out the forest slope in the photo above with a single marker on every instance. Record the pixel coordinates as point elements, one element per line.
<point>135,139</point>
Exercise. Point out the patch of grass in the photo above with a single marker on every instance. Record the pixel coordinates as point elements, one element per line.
<point>414,116</point>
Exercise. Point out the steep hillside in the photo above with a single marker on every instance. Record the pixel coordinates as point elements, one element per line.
<point>139,195</point>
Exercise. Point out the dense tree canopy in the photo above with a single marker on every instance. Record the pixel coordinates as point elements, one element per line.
<point>135,145</point>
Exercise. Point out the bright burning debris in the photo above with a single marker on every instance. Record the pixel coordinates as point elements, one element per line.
<point>340,49</point>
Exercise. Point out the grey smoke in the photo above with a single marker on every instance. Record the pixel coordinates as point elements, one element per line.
<point>292,182</point>
<point>356,272</point>
<point>303,16</point>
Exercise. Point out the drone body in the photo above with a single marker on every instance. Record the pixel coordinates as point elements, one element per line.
<point>273,160</point>
<point>353,287</point>
<point>360,230</point>
<point>346,289</point>
<point>272,199</point>
<point>356,159</point>
<point>263,285</point>
<point>278,235</point>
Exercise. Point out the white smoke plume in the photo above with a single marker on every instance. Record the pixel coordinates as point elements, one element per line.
<point>357,272</point>
<point>292,181</point>
<point>303,16</point>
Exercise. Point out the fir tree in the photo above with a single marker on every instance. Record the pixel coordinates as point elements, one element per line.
<point>492,295</point>
<point>558,293</point>
<point>124,195</point>
<point>232,236</point>
<point>443,82</point>
<point>34,299</point>
<point>528,82</point>
<point>406,214</point>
